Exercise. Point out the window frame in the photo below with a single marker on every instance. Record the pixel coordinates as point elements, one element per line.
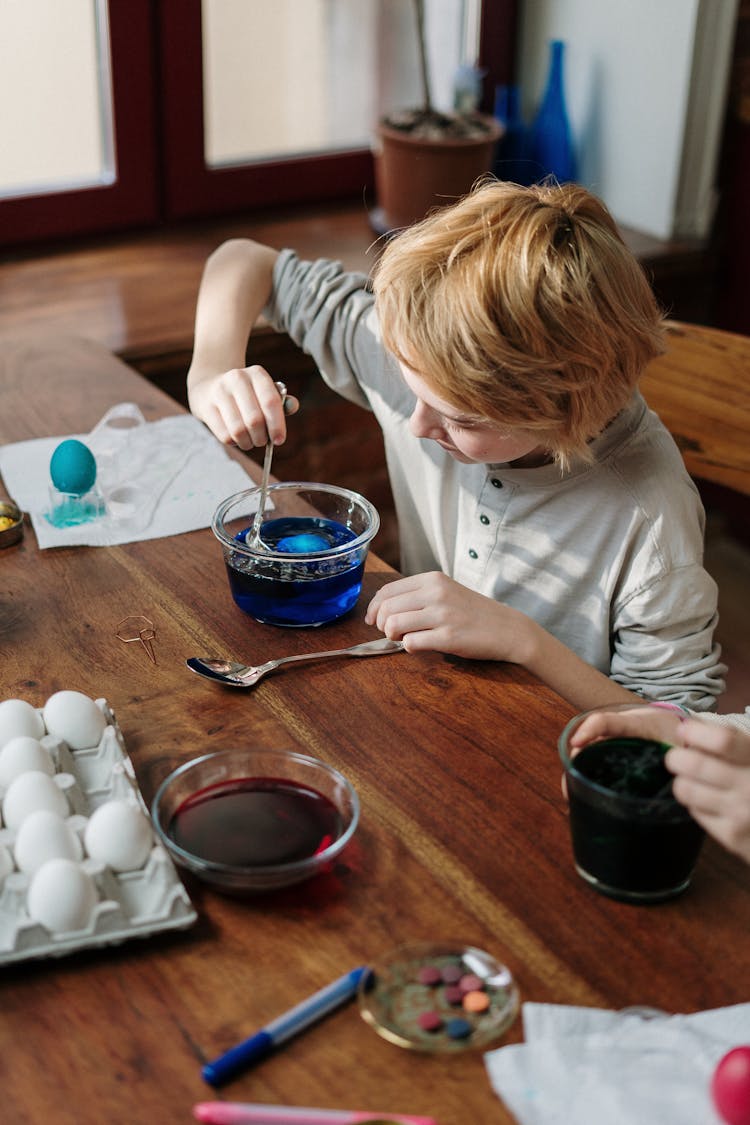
<point>132,199</point>
<point>192,189</point>
<point>160,171</point>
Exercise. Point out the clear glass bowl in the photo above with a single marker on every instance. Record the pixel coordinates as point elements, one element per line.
<point>248,821</point>
<point>307,568</point>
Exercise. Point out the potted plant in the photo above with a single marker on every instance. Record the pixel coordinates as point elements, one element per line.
<point>424,158</point>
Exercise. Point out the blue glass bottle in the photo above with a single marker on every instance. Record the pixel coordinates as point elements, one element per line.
<point>511,155</point>
<point>552,150</point>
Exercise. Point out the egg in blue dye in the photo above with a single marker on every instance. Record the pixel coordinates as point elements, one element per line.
<point>73,467</point>
<point>302,543</point>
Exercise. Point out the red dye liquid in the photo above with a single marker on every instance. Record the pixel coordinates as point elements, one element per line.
<point>256,822</point>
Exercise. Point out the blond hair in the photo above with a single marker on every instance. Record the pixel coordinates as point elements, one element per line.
<point>523,306</point>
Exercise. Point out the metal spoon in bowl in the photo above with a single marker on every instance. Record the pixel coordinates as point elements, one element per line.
<point>245,675</point>
<point>253,538</point>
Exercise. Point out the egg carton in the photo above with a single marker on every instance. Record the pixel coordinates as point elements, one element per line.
<point>131,904</point>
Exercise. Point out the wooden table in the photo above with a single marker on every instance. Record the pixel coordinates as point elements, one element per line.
<point>463,833</point>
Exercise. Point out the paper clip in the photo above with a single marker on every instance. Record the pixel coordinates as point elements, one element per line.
<point>138,629</point>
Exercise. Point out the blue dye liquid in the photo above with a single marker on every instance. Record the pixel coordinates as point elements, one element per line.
<point>300,592</point>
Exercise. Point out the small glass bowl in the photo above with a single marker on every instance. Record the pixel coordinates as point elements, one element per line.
<point>307,568</point>
<point>394,996</point>
<point>11,530</point>
<point>224,772</point>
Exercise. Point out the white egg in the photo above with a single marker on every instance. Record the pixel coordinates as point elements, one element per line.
<point>22,754</point>
<point>119,835</point>
<point>73,717</point>
<point>29,792</point>
<point>19,717</point>
<point>43,836</point>
<point>62,896</point>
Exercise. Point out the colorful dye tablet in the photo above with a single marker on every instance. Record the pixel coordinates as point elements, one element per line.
<point>439,997</point>
<point>453,994</point>
<point>458,1029</point>
<point>475,1001</point>
<point>429,974</point>
<point>430,1021</point>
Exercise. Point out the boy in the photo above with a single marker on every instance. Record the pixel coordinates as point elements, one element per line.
<point>545,515</point>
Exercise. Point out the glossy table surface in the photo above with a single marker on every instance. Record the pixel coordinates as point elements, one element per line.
<point>463,833</point>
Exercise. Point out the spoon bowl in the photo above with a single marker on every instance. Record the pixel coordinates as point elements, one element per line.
<point>232,674</point>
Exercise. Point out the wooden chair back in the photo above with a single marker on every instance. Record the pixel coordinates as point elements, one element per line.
<point>700,388</point>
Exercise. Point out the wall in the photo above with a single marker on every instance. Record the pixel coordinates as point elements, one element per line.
<point>646,85</point>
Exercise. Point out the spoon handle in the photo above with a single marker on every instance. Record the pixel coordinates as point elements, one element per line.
<point>369,648</point>
<point>254,534</point>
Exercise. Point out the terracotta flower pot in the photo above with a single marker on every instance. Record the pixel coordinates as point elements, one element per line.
<point>414,173</point>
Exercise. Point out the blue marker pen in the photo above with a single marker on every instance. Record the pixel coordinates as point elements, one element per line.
<point>285,1027</point>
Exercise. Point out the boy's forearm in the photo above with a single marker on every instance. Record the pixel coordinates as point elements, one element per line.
<point>237,283</point>
<point>582,685</point>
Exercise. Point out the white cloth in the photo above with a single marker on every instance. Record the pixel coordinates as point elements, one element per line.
<point>154,479</point>
<point>607,557</point>
<point>740,721</point>
<point>593,1067</point>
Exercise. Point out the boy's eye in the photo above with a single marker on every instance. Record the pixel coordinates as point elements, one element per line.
<point>460,423</point>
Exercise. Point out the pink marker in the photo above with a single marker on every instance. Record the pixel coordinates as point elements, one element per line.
<point>240,1113</point>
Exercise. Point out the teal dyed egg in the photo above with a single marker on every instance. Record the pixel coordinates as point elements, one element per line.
<point>73,468</point>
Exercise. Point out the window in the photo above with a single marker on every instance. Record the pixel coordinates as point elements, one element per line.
<point>320,72</point>
<point>183,108</point>
<point>52,143</point>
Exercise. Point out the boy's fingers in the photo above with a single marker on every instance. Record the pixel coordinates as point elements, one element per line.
<point>215,423</point>
<point>389,590</point>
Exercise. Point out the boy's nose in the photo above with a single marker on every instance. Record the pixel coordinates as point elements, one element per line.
<point>424,423</point>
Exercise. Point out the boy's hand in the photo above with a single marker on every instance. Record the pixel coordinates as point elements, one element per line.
<point>242,407</point>
<point>431,612</point>
<point>711,764</point>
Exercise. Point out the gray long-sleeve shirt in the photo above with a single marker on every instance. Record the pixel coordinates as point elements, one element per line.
<point>607,556</point>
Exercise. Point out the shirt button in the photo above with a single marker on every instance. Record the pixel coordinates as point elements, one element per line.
<point>473,554</point>
<point>484,519</point>
<point>495,482</point>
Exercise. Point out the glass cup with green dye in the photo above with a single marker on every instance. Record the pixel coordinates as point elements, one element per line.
<point>632,840</point>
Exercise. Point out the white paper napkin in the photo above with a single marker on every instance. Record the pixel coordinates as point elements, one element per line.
<point>586,1066</point>
<point>176,470</point>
